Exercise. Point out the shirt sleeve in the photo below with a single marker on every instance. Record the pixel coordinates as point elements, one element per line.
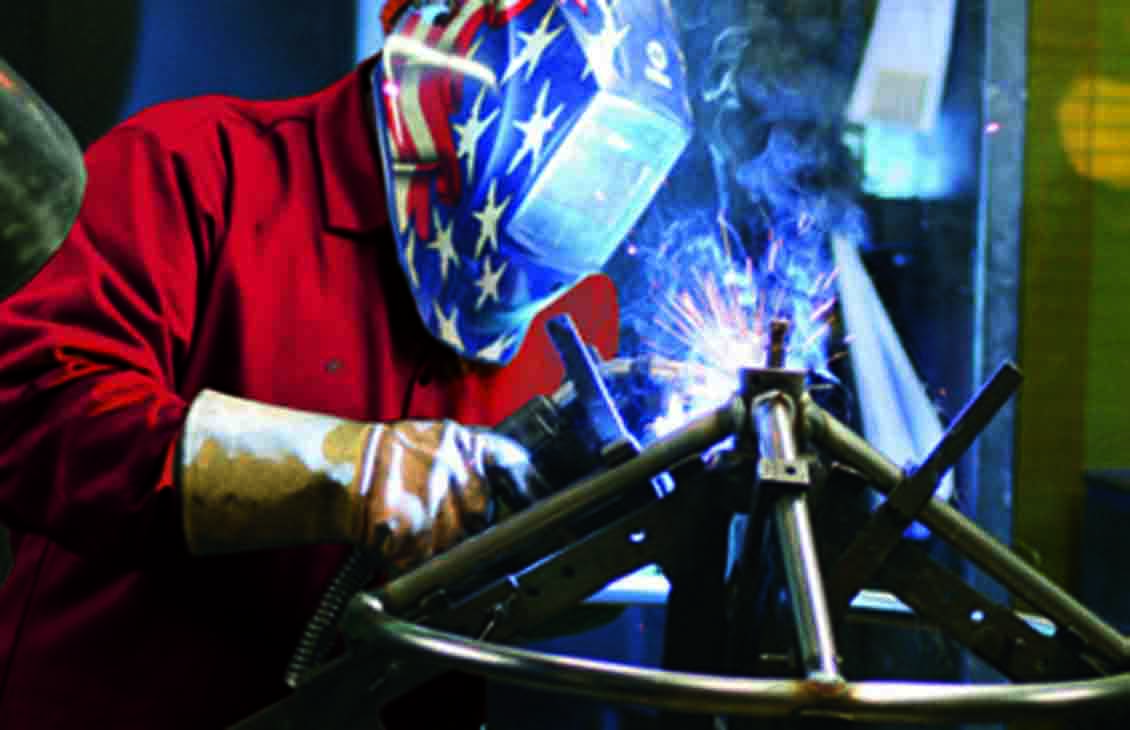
<point>89,353</point>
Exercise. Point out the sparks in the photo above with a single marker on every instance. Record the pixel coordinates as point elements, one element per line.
<point>719,319</point>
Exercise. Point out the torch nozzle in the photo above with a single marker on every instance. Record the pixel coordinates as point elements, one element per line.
<point>778,334</point>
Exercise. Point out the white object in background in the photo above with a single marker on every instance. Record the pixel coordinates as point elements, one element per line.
<point>898,417</point>
<point>903,74</point>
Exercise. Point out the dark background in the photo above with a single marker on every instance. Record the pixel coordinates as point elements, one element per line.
<point>97,62</point>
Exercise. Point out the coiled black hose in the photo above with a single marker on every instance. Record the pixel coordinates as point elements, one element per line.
<point>318,635</point>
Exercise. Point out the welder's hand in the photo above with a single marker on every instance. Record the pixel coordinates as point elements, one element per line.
<point>432,483</point>
<point>254,475</point>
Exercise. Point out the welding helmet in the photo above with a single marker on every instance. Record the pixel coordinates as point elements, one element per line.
<point>521,140</point>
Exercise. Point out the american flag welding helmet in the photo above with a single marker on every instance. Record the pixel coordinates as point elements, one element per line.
<point>521,140</point>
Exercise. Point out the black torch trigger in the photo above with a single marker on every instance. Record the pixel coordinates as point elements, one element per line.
<point>612,438</point>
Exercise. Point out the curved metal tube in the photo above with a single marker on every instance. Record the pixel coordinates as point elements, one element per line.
<point>721,695</point>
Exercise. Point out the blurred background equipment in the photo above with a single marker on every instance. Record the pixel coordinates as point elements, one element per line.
<point>41,180</point>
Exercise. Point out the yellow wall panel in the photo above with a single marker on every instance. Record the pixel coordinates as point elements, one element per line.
<point>1075,314</point>
<point>1056,284</point>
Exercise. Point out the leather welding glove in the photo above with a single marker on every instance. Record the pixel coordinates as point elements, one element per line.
<point>253,476</point>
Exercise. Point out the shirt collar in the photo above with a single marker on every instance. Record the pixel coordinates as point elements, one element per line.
<point>353,191</point>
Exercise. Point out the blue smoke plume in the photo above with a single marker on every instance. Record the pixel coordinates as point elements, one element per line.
<point>741,232</point>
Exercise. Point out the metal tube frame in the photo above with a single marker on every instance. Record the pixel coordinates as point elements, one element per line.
<point>382,638</point>
<point>822,694</point>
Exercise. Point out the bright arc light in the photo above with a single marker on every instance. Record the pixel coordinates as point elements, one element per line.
<point>721,320</point>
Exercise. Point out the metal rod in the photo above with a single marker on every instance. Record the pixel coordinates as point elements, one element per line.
<point>774,422</point>
<point>556,510</point>
<point>806,588</point>
<point>727,695</point>
<point>883,531</point>
<point>982,549</point>
<point>962,432</point>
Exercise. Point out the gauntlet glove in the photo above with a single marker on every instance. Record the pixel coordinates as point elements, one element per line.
<point>254,476</point>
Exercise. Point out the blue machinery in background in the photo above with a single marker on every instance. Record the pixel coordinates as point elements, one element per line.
<point>769,458</point>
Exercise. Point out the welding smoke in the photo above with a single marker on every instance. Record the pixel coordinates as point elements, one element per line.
<point>743,230</point>
<point>768,179</point>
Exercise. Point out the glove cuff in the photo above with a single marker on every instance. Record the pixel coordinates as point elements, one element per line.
<point>253,476</point>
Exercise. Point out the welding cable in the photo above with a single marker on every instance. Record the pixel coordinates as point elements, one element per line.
<point>320,632</point>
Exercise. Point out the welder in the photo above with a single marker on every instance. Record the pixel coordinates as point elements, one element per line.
<point>279,331</point>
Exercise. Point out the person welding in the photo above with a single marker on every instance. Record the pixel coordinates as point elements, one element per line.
<point>279,331</point>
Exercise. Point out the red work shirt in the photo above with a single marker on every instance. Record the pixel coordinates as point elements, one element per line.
<point>225,244</point>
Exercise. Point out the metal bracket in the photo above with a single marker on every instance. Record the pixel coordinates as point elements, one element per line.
<point>784,473</point>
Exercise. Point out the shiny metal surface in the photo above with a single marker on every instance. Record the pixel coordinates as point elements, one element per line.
<point>42,178</point>
<point>982,549</point>
<point>582,370</point>
<point>806,588</point>
<point>724,695</point>
<point>774,420</point>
